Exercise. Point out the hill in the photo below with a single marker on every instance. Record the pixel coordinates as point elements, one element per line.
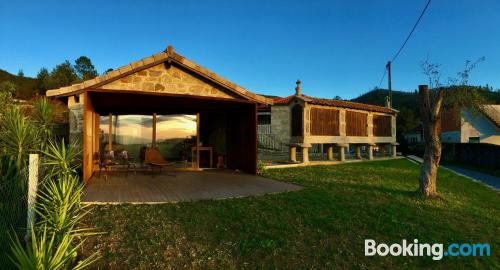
<point>26,86</point>
<point>410,100</point>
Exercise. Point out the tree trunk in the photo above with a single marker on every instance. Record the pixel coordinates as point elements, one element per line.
<point>430,112</point>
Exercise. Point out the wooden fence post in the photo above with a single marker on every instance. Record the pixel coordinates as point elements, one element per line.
<point>32,190</point>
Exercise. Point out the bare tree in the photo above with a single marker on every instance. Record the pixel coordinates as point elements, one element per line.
<point>453,97</point>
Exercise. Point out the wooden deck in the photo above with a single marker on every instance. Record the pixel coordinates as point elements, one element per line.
<point>183,186</point>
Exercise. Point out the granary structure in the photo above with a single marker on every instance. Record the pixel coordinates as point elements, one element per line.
<point>302,121</point>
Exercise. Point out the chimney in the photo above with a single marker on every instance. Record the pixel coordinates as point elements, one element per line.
<point>387,102</point>
<point>169,50</point>
<point>298,91</point>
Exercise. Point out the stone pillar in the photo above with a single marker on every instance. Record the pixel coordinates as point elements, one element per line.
<point>305,154</point>
<point>394,153</point>
<point>370,151</point>
<point>358,151</point>
<point>293,153</point>
<point>330,152</point>
<point>342,151</point>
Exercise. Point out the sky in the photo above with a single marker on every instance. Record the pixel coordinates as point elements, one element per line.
<point>336,48</point>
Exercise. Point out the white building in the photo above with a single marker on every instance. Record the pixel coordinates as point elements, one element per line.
<point>480,127</point>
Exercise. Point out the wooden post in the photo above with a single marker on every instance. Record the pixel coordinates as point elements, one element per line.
<point>110,133</point>
<point>32,190</point>
<point>197,140</point>
<point>153,139</point>
<point>389,82</point>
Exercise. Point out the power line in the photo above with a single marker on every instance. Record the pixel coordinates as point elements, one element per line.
<point>382,79</point>
<point>406,40</point>
<point>411,32</point>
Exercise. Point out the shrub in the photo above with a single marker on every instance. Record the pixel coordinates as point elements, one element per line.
<point>48,252</point>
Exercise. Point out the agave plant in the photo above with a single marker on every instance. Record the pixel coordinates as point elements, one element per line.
<point>61,160</point>
<point>59,208</point>
<point>12,204</point>
<point>43,117</point>
<point>46,252</point>
<point>18,135</point>
<point>5,101</point>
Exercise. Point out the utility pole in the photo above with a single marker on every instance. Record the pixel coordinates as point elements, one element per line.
<point>389,82</point>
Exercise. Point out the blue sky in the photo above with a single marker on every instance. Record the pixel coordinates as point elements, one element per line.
<point>334,47</point>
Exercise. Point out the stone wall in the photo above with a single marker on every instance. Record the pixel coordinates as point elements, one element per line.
<point>172,80</point>
<point>281,123</point>
<point>75,120</point>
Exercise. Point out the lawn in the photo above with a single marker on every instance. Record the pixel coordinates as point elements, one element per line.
<point>322,226</point>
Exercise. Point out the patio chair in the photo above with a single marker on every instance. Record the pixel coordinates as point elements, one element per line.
<point>100,159</point>
<point>122,160</point>
<point>153,158</point>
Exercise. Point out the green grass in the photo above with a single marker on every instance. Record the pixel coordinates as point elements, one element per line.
<point>322,226</point>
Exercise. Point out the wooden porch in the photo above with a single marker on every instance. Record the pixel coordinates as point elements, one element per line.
<point>144,187</point>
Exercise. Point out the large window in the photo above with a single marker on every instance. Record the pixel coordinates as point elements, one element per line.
<point>128,132</point>
<point>175,135</point>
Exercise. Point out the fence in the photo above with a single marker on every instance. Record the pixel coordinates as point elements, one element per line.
<point>481,154</point>
<point>271,142</point>
<point>265,129</point>
<point>15,186</point>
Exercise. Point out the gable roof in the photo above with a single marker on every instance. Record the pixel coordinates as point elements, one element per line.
<point>336,103</point>
<point>166,56</point>
<point>492,112</point>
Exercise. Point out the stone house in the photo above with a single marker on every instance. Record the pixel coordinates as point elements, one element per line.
<point>169,102</point>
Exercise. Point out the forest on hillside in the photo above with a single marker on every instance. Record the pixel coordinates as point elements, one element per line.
<point>64,74</point>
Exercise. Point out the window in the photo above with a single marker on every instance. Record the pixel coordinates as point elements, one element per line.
<point>128,132</point>
<point>473,139</point>
<point>175,135</point>
<point>297,119</point>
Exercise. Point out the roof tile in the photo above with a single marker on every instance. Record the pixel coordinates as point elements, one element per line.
<point>336,103</point>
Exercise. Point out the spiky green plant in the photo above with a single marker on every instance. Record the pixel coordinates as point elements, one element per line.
<point>12,204</point>
<point>43,117</point>
<point>18,135</point>
<point>59,208</point>
<point>61,160</point>
<point>47,252</point>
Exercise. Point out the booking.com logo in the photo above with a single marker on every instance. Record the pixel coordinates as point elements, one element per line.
<point>416,249</point>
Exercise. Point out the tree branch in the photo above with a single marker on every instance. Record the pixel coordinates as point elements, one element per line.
<point>438,101</point>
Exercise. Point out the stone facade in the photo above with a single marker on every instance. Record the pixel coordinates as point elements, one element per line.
<point>171,80</point>
<point>280,123</point>
<point>281,128</point>
<point>75,119</point>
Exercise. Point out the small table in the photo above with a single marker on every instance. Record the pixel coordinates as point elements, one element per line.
<point>201,148</point>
